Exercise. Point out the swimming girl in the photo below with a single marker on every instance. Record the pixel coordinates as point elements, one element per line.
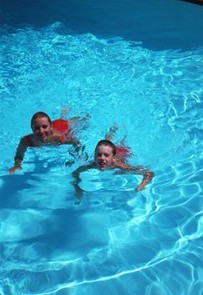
<point>45,132</point>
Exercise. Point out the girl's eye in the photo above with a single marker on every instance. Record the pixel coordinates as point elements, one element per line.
<point>43,126</point>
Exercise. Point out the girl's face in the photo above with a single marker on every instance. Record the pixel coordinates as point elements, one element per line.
<point>42,129</point>
<point>104,157</point>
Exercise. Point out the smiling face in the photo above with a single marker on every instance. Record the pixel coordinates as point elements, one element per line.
<point>104,157</point>
<point>42,128</point>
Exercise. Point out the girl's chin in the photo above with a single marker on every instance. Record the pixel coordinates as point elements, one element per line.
<point>43,139</point>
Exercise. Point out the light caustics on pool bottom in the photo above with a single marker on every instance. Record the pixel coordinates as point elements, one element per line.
<point>115,241</point>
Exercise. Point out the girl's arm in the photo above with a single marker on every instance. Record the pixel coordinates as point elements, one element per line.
<point>22,147</point>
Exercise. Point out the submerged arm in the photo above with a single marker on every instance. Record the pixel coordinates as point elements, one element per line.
<point>147,175</point>
<point>77,179</point>
<point>22,147</point>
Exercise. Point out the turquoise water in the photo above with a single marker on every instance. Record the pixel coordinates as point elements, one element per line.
<point>115,241</point>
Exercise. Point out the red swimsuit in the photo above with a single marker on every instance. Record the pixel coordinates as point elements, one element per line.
<point>122,152</point>
<point>61,125</point>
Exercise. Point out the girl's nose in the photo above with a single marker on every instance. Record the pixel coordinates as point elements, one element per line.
<point>41,129</point>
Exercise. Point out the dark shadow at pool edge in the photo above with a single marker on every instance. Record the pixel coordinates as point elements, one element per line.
<point>154,29</point>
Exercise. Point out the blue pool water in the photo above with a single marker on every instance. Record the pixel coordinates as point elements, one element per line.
<point>138,65</point>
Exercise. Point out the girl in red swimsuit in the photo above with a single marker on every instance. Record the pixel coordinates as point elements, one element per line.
<point>45,132</point>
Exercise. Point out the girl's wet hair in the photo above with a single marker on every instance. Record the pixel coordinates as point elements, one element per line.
<point>107,143</point>
<point>39,115</point>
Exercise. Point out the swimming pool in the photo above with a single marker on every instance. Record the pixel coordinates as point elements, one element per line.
<point>127,63</point>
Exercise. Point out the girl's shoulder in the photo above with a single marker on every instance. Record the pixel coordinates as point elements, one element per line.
<point>28,140</point>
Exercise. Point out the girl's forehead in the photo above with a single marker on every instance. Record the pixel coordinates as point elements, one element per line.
<point>40,120</point>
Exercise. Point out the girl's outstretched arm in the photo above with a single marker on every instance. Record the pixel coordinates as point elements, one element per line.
<point>21,149</point>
